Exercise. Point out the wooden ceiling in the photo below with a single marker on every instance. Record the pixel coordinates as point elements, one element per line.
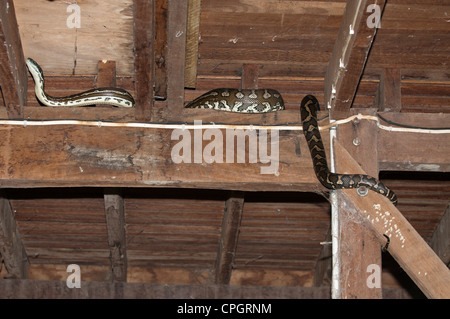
<point>174,235</point>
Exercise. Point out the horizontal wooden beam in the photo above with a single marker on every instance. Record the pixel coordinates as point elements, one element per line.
<point>440,240</point>
<point>407,247</point>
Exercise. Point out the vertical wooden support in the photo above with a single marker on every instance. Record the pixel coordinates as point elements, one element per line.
<point>106,75</point>
<point>12,250</point>
<point>323,264</point>
<point>161,49</point>
<point>176,46</point>
<point>13,71</point>
<point>250,74</point>
<point>358,248</point>
<point>440,241</point>
<point>115,223</point>
<point>389,94</point>
<point>193,31</point>
<point>231,222</point>
<point>407,247</point>
<point>144,61</point>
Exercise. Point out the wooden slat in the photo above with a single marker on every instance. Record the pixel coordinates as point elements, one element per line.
<point>193,30</point>
<point>389,94</point>
<point>250,74</point>
<point>350,52</point>
<point>106,76</point>
<point>12,250</point>
<point>161,49</point>
<point>115,223</point>
<point>406,246</point>
<point>176,53</point>
<point>231,222</point>
<point>440,240</point>
<point>358,248</point>
<point>144,61</point>
<point>13,71</point>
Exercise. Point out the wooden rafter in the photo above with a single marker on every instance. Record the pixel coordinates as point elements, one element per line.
<point>193,30</point>
<point>12,250</point>
<point>231,222</point>
<point>115,223</point>
<point>350,52</point>
<point>389,95</point>
<point>144,61</point>
<point>13,72</point>
<point>440,241</point>
<point>406,246</point>
<point>176,54</point>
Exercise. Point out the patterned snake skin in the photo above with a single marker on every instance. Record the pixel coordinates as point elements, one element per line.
<point>308,111</point>
<point>242,101</point>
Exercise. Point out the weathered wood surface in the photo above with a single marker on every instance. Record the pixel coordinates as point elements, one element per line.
<point>13,72</point>
<point>407,247</point>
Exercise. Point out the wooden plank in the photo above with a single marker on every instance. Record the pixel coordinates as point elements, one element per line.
<point>358,248</point>
<point>24,289</point>
<point>120,156</point>
<point>323,264</point>
<point>389,94</point>
<point>192,39</point>
<point>106,76</point>
<point>115,223</point>
<point>250,74</point>
<point>161,49</point>
<point>13,71</point>
<point>394,148</point>
<point>12,250</point>
<point>406,246</point>
<point>231,222</point>
<point>144,61</point>
<point>176,53</point>
<point>350,52</point>
<point>440,241</point>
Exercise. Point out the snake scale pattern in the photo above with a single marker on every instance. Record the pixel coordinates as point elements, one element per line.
<point>242,101</point>
<point>308,112</point>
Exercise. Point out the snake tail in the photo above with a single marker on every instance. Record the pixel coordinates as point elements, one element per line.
<point>308,111</point>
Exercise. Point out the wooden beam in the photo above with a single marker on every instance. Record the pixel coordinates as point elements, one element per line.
<point>176,54</point>
<point>250,74</point>
<point>24,289</point>
<point>161,49</point>
<point>394,148</point>
<point>115,223</point>
<point>389,94</point>
<point>13,71</point>
<point>323,264</point>
<point>440,240</point>
<point>144,61</point>
<point>231,222</point>
<point>350,52</point>
<point>106,75</point>
<point>406,246</point>
<point>358,248</point>
<point>12,250</point>
<point>193,31</point>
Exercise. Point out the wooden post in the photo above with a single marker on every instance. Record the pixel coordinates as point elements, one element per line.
<point>12,250</point>
<point>406,245</point>
<point>13,71</point>
<point>359,249</point>
<point>389,95</point>
<point>144,61</point>
<point>193,30</point>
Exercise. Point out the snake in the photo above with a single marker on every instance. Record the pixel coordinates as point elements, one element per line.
<point>239,100</point>
<point>308,112</point>
<point>105,95</point>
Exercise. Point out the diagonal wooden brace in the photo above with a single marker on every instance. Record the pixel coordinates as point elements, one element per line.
<point>407,247</point>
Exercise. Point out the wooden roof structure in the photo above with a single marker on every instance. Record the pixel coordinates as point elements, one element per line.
<point>113,201</point>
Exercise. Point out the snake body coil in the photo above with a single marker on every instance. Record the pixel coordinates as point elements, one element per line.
<point>308,111</point>
<point>242,101</point>
<point>110,96</point>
